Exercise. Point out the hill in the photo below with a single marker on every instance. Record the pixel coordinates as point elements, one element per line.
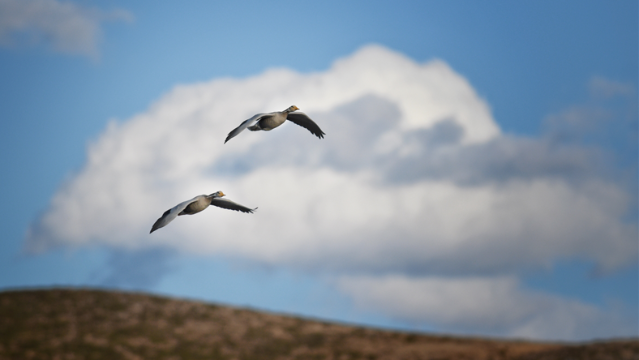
<point>94,324</point>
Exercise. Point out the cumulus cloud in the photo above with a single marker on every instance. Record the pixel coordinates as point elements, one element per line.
<point>414,177</point>
<point>66,27</point>
<point>486,305</point>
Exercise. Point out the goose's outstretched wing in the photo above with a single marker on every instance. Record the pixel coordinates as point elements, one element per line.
<point>304,121</point>
<point>228,204</point>
<point>170,214</point>
<point>243,126</point>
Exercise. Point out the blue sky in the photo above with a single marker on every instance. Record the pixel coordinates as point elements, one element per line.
<point>558,80</point>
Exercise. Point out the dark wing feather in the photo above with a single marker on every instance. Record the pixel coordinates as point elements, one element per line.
<point>228,204</point>
<point>304,121</point>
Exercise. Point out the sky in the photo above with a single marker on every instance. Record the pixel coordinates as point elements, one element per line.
<point>478,174</point>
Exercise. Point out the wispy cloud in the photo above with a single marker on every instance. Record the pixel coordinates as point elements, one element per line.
<point>414,177</point>
<point>142,269</point>
<point>601,87</point>
<point>485,305</point>
<point>64,26</point>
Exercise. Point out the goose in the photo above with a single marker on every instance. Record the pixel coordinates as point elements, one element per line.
<point>269,121</point>
<point>196,205</point>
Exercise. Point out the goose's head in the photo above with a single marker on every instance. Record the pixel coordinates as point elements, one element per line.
<point>292,108</point>
<point>217,194</point>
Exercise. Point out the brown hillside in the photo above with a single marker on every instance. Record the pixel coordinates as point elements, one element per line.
<point>91,324</point>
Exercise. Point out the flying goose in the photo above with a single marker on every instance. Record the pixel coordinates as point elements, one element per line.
<point>269,121</point>
<point>196,205</point>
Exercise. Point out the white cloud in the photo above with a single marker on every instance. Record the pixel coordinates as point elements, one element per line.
<point>414,177</point>
<point>341,195</point>
<point>486,305</point>
<point>68,27</point>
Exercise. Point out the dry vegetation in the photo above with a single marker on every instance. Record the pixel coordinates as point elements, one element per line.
<point>91,324</point>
